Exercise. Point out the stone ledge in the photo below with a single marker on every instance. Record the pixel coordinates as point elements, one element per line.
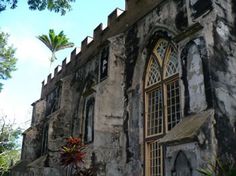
<point>188,129</point>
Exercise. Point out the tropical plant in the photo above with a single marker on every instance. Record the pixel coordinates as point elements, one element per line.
<point>219,168</point>
<point>73,155</point>
<point>55,42</point>
<point>7,58</point>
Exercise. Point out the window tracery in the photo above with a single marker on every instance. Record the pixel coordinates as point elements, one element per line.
<point>154,75</point>
<point>161,48</point>
<point>171,67</point>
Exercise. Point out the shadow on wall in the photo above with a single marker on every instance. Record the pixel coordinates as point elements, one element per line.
<point>234,14</point>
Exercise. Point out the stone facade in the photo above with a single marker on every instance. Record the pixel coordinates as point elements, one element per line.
<point>99,94</point>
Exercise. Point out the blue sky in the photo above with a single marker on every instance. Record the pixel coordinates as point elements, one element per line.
<point>33,64</point>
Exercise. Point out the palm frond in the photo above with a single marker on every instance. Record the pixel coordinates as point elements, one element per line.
<point>55,42</point>
<point>68,45</point>
<point>45,40</point>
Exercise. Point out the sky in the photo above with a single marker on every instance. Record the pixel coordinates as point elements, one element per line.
<point>33,66</point>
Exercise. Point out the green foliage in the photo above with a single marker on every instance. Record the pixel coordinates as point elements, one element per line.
<point>5,3</point>
<point>7,58</point>
<point>9,147</point>
<point>58,6</point>
<point>55,42</point>
<point>219,168</point>
<point>7,159</point>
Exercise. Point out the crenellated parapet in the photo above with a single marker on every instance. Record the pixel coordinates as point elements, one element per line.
<point>85,43</point>
<point>97,31</point>
<point>118,21</point>
<point>113,16</point>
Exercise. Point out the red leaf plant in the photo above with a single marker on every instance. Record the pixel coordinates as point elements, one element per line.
<point>72,153</point>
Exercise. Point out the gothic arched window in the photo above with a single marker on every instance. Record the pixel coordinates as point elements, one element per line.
<point>162,102</point>
<point>89,120</point>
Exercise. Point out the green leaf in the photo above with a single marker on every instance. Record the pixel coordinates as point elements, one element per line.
<point>7,58</point>
<point>55,42</point>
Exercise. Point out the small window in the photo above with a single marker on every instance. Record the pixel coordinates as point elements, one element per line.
<point>89,121</point>
<point>199,7</point>
<point>104,63</point>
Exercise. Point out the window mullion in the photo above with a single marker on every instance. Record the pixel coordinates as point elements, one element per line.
<point>165,120</point>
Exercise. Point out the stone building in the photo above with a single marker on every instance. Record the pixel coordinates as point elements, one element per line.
<point>154,93</point>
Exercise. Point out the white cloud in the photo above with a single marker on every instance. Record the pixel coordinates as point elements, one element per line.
<point>31,49</point>
<point>28,47</point>
<point>15,111</point>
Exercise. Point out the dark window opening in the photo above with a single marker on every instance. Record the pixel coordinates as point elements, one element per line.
<point>89,121</point>
<point>182,166</point>
<point>44,148</point>
<point>104,63</point>
<point>199,7</point>
<point>53,101</point>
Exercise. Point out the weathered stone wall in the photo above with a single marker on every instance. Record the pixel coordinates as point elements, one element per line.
<point>108,116</point>
<point>31,147</point>
<point>38,113</point>
<point>195,84</point>
<point>223,73</point>
<point>203,33</point>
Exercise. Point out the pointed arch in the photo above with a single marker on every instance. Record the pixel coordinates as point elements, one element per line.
<point>160,50</point>
<point>182,166</point>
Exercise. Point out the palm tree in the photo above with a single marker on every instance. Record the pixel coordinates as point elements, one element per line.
<point>55,42</point>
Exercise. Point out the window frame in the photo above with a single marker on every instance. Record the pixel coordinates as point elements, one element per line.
<point>147,155</point>
<point>163,64</point>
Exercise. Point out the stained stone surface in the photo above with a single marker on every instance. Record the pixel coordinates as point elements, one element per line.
<point>110,69</point>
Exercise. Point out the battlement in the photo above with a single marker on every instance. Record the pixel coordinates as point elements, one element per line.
<point>85,43</point>
<point>118,21</point>
<point>113,16</point>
